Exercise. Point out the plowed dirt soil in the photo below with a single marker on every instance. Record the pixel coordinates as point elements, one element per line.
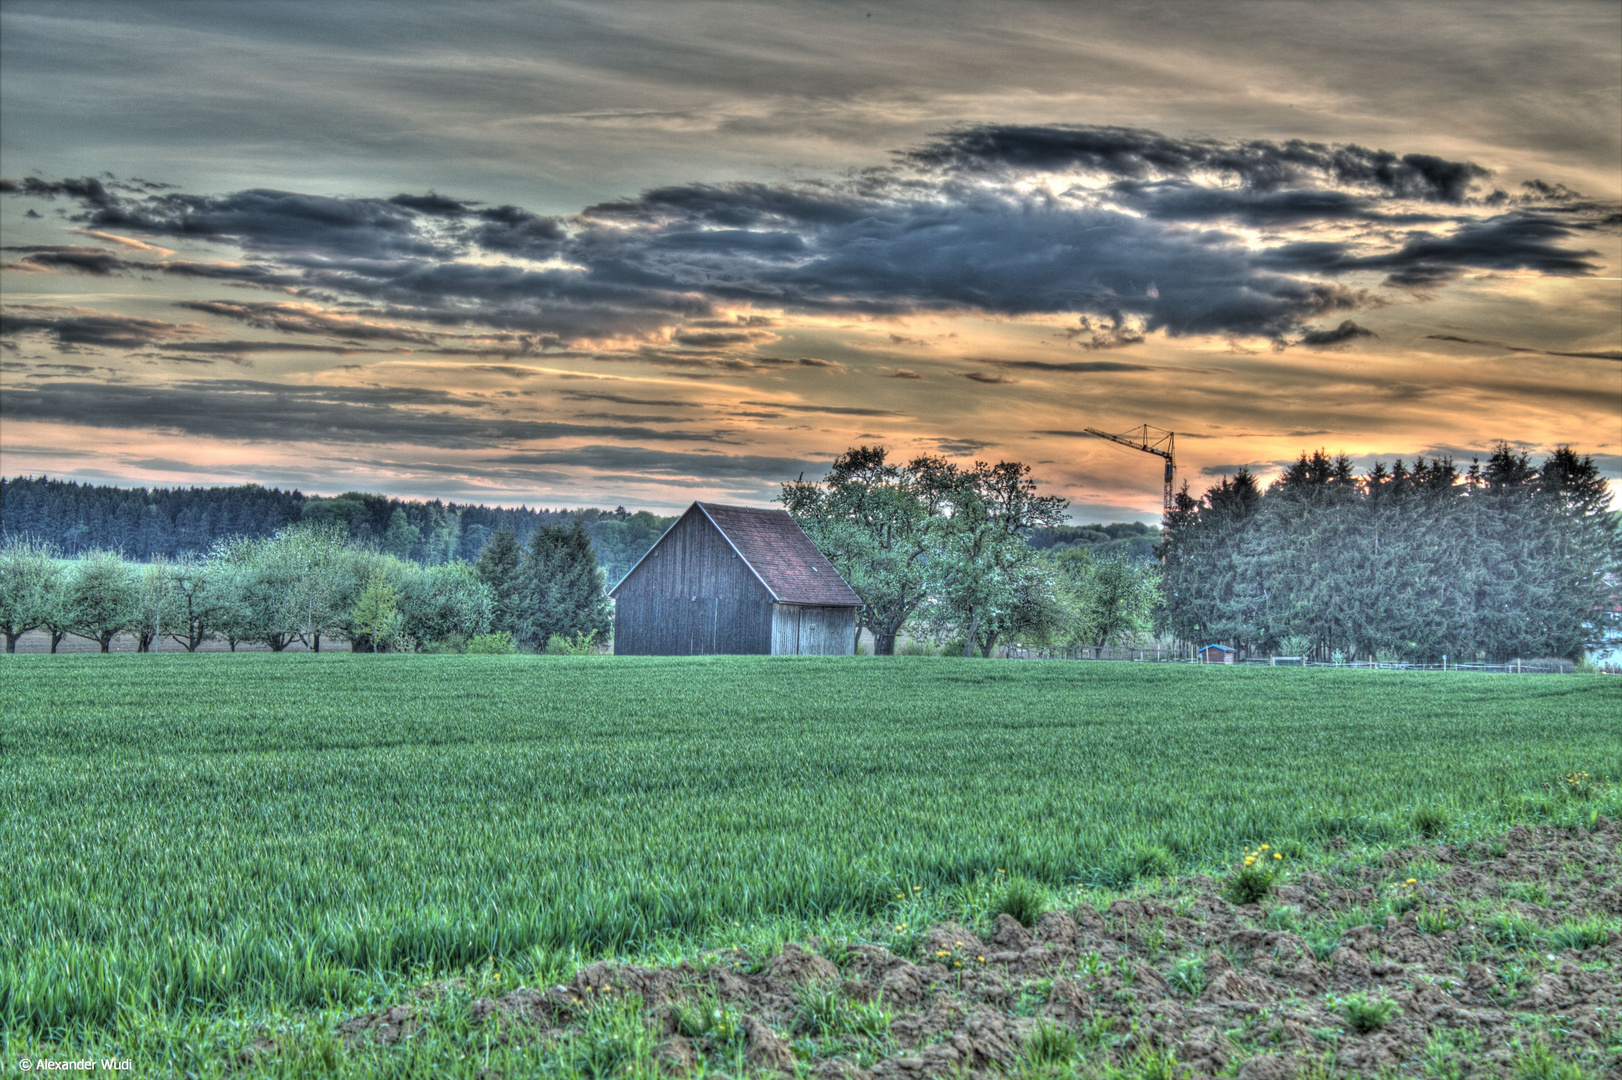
<point>1494,956</point>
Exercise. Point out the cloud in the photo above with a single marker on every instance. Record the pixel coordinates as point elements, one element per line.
<point>1079,366</point>
<point>301,318</point>
<point>624,399</point>
<point>636,461</point>
<point>74,327</point>
<point>991,378</point>
<point>1131,231</point>
<point>1138,154</point>
<point>904,373</point>
<point>833,410</point>
<point>241,410</point>
<point>1325,339</point>
<point>1603,354</point>
<point>721,338</point>
<point>98,262</point>
<point>960,447</point>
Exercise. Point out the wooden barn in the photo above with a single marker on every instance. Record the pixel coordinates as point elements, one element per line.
<point>733,579</point>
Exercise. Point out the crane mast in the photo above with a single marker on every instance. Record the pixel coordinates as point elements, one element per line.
<point>1151,440</point>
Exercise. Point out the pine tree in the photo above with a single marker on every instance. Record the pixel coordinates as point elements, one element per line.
<point>497,567</point>
<point>560,588</point>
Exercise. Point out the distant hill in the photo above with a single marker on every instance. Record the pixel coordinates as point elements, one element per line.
<point>1126,539</point>
<point>145,523</point>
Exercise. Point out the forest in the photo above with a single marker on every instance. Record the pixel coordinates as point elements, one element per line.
<point>147,523</point>
<point>1505,558</point>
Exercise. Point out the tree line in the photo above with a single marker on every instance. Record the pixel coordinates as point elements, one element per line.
<point>1504,559</point>
<point>308,583</point>
<point>149,523</point>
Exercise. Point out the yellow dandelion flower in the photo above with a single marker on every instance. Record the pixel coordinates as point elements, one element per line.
<point>917,888</point>
<point>1276,855</point>
<point>1411,881</point>
<point>981,959</point>
<point>1263,847</point>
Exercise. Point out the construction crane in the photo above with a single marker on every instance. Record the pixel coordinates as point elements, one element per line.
<point>1151,440</point>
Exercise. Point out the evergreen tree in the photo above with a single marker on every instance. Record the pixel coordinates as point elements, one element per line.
<point>497,567</point>
<point>401,537</point>
<point>560,588</point>
<point>1507,559</point>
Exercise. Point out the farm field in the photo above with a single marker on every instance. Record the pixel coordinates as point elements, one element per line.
<point>201,849</point>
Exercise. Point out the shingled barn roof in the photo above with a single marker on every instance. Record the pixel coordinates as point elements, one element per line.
<point>781,555</point>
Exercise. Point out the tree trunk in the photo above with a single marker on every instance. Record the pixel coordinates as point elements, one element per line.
<point>106,642</point>
<point>11,641</point>
<point>884,643</point>
<point>974,632</point>
<point>56,639</point>
<point>317,646</point>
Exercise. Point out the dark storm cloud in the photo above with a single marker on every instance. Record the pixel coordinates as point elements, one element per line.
<point>289,223</point>
<point>435,204</point>
<point>515,231</point>
<point>959,226</point>
<point>245,410</point>
<point>1139,154</point>
<point>87,189</point>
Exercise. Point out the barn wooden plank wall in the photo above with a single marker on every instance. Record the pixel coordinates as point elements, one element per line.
<point>799,630</point>
<point>692,595</point>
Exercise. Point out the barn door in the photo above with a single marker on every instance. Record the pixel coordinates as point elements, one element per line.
<point>702,623</point>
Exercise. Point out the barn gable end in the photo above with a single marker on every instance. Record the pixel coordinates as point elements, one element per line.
<point>731,579</point>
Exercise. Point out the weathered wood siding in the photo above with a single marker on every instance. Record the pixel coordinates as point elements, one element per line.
<point>692,595</point>
<point>799,630</point>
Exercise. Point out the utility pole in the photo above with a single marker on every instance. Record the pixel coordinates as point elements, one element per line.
<point>1151,440</point>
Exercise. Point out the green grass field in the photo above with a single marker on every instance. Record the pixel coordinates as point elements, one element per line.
<point>206,834</point>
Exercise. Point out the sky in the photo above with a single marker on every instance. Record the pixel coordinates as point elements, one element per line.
<point>637,254</point>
